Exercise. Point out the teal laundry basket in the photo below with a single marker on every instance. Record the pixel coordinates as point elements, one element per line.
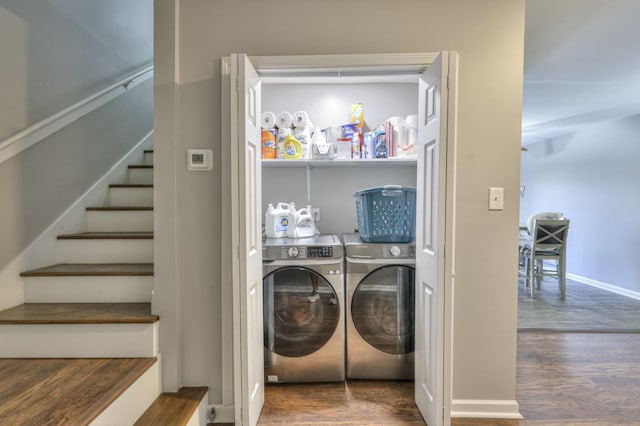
<point>386,214</point>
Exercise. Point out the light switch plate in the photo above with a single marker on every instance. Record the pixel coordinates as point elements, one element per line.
<point>199,159</point>
<point>496,198</point>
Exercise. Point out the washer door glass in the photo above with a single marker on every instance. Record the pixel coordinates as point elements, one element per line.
<point>298,320</point>
<point>382,309</point>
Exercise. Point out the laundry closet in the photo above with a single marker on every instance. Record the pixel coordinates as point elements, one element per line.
<point>299,311</point>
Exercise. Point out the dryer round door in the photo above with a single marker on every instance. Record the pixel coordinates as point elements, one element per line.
<point>301,311</point>
<point>383,307</point>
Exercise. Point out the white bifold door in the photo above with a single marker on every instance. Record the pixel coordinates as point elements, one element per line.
<point>245,130</point>
<point>434,195</point>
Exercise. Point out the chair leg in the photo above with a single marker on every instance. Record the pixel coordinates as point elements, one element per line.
<point>562,278</point>
<point>539,272</point>
<point>530,276</point>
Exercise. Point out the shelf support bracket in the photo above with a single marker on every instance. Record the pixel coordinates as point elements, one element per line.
<point>308,183</point>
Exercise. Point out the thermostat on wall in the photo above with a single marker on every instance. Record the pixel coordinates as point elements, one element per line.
<point>199,159</point>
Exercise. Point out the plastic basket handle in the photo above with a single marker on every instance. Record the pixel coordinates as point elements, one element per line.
<point>392,191</point>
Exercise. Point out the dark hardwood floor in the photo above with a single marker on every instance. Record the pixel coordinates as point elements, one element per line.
<point>584,379</point>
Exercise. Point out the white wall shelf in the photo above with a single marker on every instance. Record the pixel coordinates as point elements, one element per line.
<point>380,162</point>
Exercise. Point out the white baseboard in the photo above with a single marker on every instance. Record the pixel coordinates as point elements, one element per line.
<point>485,409</point>
<point>604,286</point>
<point>224,413</point>
<point>74,219</point>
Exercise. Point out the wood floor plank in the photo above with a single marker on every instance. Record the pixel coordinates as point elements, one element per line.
<point>108,236</point>
<point>79,313</point>
<point>63,391</point>
<point>91,269</point>
<point>173,408</point>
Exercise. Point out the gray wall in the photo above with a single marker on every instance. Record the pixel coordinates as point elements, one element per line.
<point>192,36</point>
<point>56,53</point>
<point>592,177</point>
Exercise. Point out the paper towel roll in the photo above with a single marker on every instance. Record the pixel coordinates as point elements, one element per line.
<point>268,120</point>
<point>284,120</point>
<point>301,119</point>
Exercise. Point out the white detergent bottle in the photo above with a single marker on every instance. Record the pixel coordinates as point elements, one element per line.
<point>276,220</point>
<point>305,225</point>
<point>292,219</point>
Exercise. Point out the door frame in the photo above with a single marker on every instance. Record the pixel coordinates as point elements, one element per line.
<point>230,273</point>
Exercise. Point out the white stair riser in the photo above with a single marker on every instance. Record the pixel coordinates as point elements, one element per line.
<point>127,289</point>
<point>104,251</point>
<point>131,197</point>
<point>79,340</point>
<point>120,221</point>
<point>134,401</point>
<point>200,417</point>
<point>148,158</point>
<point>141,176</point>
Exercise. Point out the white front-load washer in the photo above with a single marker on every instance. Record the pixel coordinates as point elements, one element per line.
<point>304,338</point>
<point>380,309</point>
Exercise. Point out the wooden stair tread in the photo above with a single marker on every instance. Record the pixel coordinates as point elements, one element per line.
<point>131,185</point>
<point>64,391</point>
<point>108,236</point>
<point>173,408</point>
<point>79,313</point>
<point>120,208</point>
<point>141,166</point>
<point>91,270</point>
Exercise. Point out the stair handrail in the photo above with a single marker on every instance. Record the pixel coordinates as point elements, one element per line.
<point>35,133</point>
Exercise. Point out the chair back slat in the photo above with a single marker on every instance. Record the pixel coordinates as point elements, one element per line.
<point>550,234</point>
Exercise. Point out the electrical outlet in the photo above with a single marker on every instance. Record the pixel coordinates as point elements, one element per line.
<point>315,212</point>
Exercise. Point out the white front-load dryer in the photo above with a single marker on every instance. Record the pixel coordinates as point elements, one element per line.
<point>380,309</point>
<point>304,338</point>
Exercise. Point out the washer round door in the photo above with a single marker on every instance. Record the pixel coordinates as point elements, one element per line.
<point>297,320</point>
<point>383,308</point>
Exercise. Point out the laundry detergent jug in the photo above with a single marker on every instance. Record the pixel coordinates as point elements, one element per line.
<point>304,226</point>
<point>276,220</point>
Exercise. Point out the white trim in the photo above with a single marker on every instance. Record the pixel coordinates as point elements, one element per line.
<point>35,133</point>
<point>604,286</point>
<point>224,413</point>
<point>266,65</point>
<point>486,409</point>
<point>73,219</point>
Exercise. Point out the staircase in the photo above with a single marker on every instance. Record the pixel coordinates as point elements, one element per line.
<point>83,348</point>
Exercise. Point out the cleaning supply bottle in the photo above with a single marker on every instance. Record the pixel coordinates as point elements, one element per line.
<point>292,148</point>
<point>292,219</point>
<point>276,220</point>
<point>355,147</point>
<point>303,134</point>
<point>280,138</point>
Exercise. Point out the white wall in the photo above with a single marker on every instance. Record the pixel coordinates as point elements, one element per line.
<point>192,36</point>
<point>592,177</point>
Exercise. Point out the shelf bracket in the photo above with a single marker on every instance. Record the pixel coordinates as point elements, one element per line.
<point>308,183</point>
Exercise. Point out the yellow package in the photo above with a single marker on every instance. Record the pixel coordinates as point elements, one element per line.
<point>357,114</point>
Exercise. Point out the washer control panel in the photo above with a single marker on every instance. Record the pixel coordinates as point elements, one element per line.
<point>319,251</point>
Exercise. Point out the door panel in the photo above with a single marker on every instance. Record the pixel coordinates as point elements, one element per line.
<point>295,324</point>
<point>245,110</point>
<point>382,309</point>
<point>430,239</point>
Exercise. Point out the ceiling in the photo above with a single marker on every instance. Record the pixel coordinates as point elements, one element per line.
<point>581,65</point>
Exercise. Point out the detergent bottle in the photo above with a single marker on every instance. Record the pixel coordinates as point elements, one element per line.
<point>292,219</point>
<point>276,220</point>
<point>292,148</point>
<point>305,226</point>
